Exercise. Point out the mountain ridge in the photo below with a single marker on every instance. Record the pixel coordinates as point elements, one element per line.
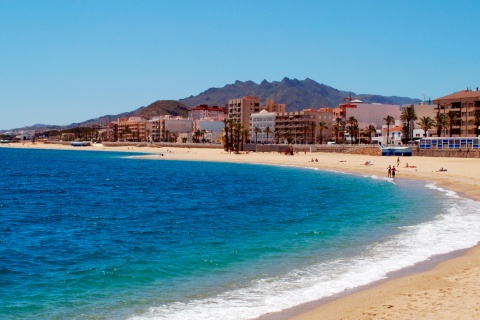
<point>296,94</point>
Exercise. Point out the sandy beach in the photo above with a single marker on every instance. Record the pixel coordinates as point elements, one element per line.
<point>447,290</point>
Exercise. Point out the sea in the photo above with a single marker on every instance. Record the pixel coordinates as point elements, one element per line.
<point>107,235</point>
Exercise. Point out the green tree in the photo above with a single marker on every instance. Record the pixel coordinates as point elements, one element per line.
<point>148,136</point>
<point>426,123</point>
<point>226,139</point>
<point>369,131</point>
<point>287,135</point>
<point>441,123</point>
<point>305,131</point>
<point>267,132</point>
<point>245,133</point>
<point>352,127</point>
<point>276,136</point>
<point>476,121</point>
<point>197,134</point>
<point>337,128</point>
<point>388,121</point>
<point>312,126</point>
<point>408,115</point>
<point>256,130</point>
<point>321,126</point>
<point>452,118</point>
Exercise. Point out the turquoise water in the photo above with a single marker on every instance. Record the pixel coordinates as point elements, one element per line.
<point>102,235</point>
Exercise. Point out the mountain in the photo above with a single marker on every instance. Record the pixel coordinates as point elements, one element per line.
<point>296,94</point>
<point>157,108</point>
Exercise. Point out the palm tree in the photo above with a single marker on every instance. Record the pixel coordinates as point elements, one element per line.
<point>476,121</point>
<point>408,114</point>
<point>426,123</point>
<point>352,127</point>
<point>203,131</point>
<point>287,135</point>
<point>238,132</point>
<point>312,126</point>
<point>167,136</point>
<point>337,128</point>
<point>148,136</point>
<point>175,136</point>
<point>336,131</point>
<point>276,135</point>
<point>440,123</point>
<point>452,117</point>
<point>305,131</point>
<point>388,121</point>
<point>356,132</point>
<point>256,130</point>
<point>405,130</point>
<point>321,126</point>
<point>267,132</point>
<point>196,135</point>
<point>369,131</point>
<point>226,128</point>
<point>244,133</point>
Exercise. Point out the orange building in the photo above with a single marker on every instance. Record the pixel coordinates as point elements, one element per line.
<point>465,104</point>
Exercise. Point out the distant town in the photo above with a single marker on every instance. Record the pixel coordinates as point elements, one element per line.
<point>246,120</point>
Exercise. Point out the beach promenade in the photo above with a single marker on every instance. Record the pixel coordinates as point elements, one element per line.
<point>445,289</point>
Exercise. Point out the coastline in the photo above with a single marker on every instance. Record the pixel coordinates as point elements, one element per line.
<point>445,289</point>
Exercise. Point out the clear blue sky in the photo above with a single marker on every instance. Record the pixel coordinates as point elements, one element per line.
<point>69,61</point>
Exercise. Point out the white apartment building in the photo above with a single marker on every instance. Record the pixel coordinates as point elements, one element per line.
<point>262,121</point>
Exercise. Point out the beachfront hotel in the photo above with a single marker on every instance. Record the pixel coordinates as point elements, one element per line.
<point>240,110</point>
<point>298,125</point>
<point>465,104</point>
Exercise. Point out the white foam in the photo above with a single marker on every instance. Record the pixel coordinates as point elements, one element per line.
<point>456,228</point>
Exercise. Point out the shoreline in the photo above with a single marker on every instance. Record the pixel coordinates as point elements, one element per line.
<point>442,287</point>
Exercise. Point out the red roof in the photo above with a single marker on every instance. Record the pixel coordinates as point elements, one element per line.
<point>206,107</point>
<point>456,96</point>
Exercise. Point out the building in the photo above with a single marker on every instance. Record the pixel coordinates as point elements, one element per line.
<point>204,111</point>
<point>368,113</point>
<point>132,129</point>
<point>395,134</point>
<point>449,143</point>
<point>262,126</point>
<point>240,110</point>
<point>212,128</point>
<point>271,106</point>
<point>465,104</point>
<point>302,126</point>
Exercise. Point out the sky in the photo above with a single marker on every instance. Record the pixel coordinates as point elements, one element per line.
<point>66,61</point>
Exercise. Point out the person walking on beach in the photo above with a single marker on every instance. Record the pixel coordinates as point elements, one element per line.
<point>389,171</point>
<point>398,161</point>
<point>393,172</point>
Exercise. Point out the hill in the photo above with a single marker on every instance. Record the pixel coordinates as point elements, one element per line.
<point>157,108</point>
<point>296,94</point>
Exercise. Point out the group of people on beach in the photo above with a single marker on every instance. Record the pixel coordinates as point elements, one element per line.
<point>391,171</point>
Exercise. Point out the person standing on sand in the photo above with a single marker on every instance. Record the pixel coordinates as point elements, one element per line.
<point>398,161</point>
<point>389,171</point>
<point>393,172</point>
